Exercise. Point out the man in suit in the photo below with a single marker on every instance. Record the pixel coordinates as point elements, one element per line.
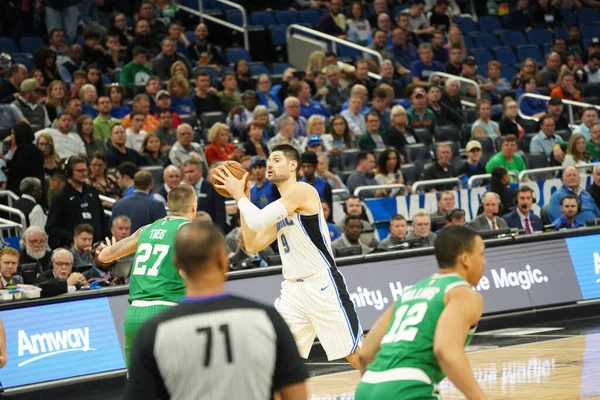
<point>99,269</point>
<point>488,221</point>
<point>241,255</point>
<point>29,203</point>
<point>9,260</point>
<point>57,280</point>
<point>140,207</point>
<point>522,217</point>
<point>208,199</point>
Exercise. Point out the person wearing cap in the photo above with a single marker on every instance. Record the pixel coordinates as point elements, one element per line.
<point>555,108</point>
<point>263,191</point>
<point>467,91</point>
<point>593,47</point>
<point>9,87</point>
<point>309,162</point>
<point>372,138</point>
<point>551,70</point>
<point>104,122</point>
<point>27,103</point>
<point>419,116</point>
<point>425,66</point>
<point>163,100</point>
<point>314,144</point>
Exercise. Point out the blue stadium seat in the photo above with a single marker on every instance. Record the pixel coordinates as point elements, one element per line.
<point>258,68</point>
<point>590,31</point>
<point>540,36</point>
<point>27,62</point>
<point>8,45</point>
<point>235,54</point>
<point>529,50</point>
<point>486,40</point>
<point>278,35</point>
<point>568,17</point>
<point>489,24</point>
<point>234,17</point>
<point>262,18</point>
<point>561,32</point>
<point>483,57</point>
<point>398,9</point>
<point>345,51</point>
<point>466,25</point>
<point>310,17</point>
<point>30,44</point>
<point>482,70</point>
<point>508,72</point>
<point>513,39</point>
<point>181,48</point>
<point>285,17</point>
<point>505,56</point>
<point>191,36</point>
<point>547,49</point>
<point>469,42</point>
<point>588,16</point>
<point>279,68</point>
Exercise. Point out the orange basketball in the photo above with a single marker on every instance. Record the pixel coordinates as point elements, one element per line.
<point>234,168</point>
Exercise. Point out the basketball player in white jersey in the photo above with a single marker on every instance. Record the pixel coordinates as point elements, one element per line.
<point>314,299</point>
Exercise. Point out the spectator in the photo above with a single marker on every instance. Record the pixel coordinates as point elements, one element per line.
<point>353,116</point>
<point>263,191</point>
<point>161,64</point>
<point>219,148</point>
<point>340,137</point>
<point>434,96</point>
<point>317,137</point>
<point>549,74</point>
<point>354,206</point>
<point>529,68</point>
<point>9,261</point>
<point>56,181</point>
<point>125,173</point>
<point>99,270</point>
<point>255,145</point>
<point>272,103</point>
<point>400,135</point>
<point>171,179</point>
<point>576,152</point>
<point>175,29</point>
<point>55,101</point>
<point>103,182</point>
<point>59,14</point>
<point>10,115</point>
<point>544,13</point>
<point>510,121</point>
<point>589,115</point>
<point>27,103</point>
<point>203,53</point>
<point>454,64</point>
<point>139,207</point>
<point>208,200</point>
<point>500,184</point>
<point>454,217</point>
<point>351,235</point>
<point>120,229</point>
<point>333,23</point>
<point>71,62</point>
<point>421,229</point>
<point>163,100</point>
<point>116,94</point>
<point>520,18</point>
<point>468,92</point>
<point>242,256</point>
<point>565,87</point>
<point>388,170</point>
<point>451,102</point>
<point>445,203</point>
<point>522,217</point>
<point>361,77</point>
<point>484,126</point>
<point>82,245</point>
<point>94,53</point>
<point>158,29</point>
<point>93,77</point>
<point>141,103</point>
<point>9,88</point>
<point>593,146</point>
<point>334,233</point>
<point>488,220</point>
<point>103,123</point>
<point>419,116</point>
<point>239,122</point>
<point>229,98</point>
<point>67,144</point>
<point>286,127</point>
<point>142,39</point>
<point>308,107</point>
<point>116,150</point>
<point>404,52</point>
<point>309,162</point>
<point>388,77</point>
<point>85,130</point>
<point>118,26</point>
<point>506,157</point>
<point>34,248</point>
<point>323,171</point>
<point>472,166</point>
<point>135,134</point>
<point>359,28</point>
<point>380,42</point>
<point>592,68</point>
<point>555,108</point>
<point>75,203</point>
<point>151,151</point>
<point>382,24</point>
<point>363,176</point>
<point>545,140</point>
<point>57,280</point>
<point>44,60</point>
<point>380,108</point>
<point>205,98</point>
<point>418,21</point>
<point>89,96</point>
<point>26,160</point>
<point>371,139</point>
<point>571,181</point>
<point>440,20</point>
<point>243,76</point>
<point>569,206</point>
<point>501,85</point>
<point>136,72</point>
<point>398,231</point>
<point>51,160</point>
<point>29,203</point>
<point>422,69</point>
<point>441,169</point>
<point>594,188</point>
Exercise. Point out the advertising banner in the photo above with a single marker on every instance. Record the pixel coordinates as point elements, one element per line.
<point>585,254</point>
<point>58,341</point>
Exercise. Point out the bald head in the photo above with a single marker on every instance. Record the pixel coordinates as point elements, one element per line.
<point>200,250</point>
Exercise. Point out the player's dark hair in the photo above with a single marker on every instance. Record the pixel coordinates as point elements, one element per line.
<point>351,218</point>
<point>452,242</point>
<point>196,244</point>
<point>127,168</point>
<point>289,152</point>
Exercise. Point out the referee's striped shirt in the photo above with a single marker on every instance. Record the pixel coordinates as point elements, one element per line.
<point>222,347</point>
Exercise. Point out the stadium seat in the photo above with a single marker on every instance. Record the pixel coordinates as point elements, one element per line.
<point>466,25</point>
<point>30,44</point>
<point>279,68</point>
<point>345,51</point>
<point>513,39</point>
<point>588,16</point>
<point>235,54</point>
<point>278,35</point>
<point>27,62</point>
<point>285,17</point>
<point>483,57</point>
<point>539,36</point>
<point>508,72</point>
<point>592,100</point>
<point>565,134</point>
<point>189,119</point>
<point>262,18</point>
<point>489,24</point>
<point>447,133</point>
<point>590,31</point>
<point>487,146</point>
<point>190,36</point>
<point>157,174</point>
<point>486,40</point>
<point>424,135</point>
<point>590,89</point>
<point>526,141</point>
<point>466,132</point>
<point>349,159</point>
<point>258,69</point>
<point>568,17</point>
<point>547,49</point>
<point>529,50</point>
<point>234,17</point>
<point>469,115</point>
<point>411,173</point>
<point>561,32</point>
<point>530,125</point>
<point>8,45</point>
<point>417,152</point>
<point>505,56</point>
<point>208,119</point>
<point>310,17</point>
<point>469,42</point>
<point>538,160</point>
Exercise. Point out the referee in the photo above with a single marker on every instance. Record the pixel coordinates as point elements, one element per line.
<point>213,345</point>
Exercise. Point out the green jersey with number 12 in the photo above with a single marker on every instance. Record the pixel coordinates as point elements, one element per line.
<point>408,342</point>
<point>153,274</point>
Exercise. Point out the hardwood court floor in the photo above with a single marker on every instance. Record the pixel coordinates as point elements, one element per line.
<point>565,369</point>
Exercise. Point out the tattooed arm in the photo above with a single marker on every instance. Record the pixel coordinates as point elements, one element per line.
<point>115,250</point>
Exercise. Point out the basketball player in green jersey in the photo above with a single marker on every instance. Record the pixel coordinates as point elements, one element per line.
<point>155,283</point>
<point>421,338</point>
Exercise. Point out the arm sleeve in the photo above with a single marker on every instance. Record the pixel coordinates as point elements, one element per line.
<point>535,146</point>
<point>257,219</point>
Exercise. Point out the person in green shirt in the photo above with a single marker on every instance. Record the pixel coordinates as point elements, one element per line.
<point>155,283</point>
<point>371,139</point>
<point>592,146</point>
<point>137,71</point>
<point>506,157</point>
<point>103,123</point>
<point>231,101</point>
<point>421,338</point>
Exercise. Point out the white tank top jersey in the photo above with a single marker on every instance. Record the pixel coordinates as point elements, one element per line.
<point>304,245</point>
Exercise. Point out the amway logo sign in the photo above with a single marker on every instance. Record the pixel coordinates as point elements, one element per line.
<point>48,344</point>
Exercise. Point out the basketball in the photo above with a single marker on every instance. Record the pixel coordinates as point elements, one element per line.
<point>234,168</point>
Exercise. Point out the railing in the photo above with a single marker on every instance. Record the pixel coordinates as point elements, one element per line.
<point>400,186</point>
<point>459,78</point>
<point>342,192</point>
<point>472,179</point>
<point>569,103</point>
<point>242,29</point>
<point>552,169</point>
<point>6,224</point>
<point>433,182</point>
<point>10,195</point>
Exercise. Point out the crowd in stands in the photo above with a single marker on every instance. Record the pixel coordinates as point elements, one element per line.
<point>128,100</point>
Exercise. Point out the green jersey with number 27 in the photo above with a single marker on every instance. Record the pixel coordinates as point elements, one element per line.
<point>408,343</point>
<point>153,274</point>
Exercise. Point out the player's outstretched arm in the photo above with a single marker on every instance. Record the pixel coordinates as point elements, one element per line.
<point>372,342</point>
<point>462,311</point>
<point>115,250</point>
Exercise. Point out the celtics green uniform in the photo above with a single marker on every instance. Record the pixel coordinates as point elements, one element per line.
<point>155,283</point>
<point>405,366</point>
